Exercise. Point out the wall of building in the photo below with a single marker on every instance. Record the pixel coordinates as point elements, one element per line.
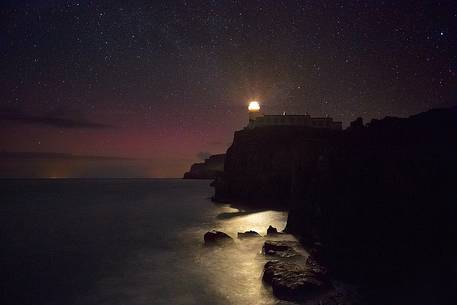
<point>292,120</point>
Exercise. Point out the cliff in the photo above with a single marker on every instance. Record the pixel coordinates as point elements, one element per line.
<point>379,199</point>
<point>209,169</point>
<point>264,165</point>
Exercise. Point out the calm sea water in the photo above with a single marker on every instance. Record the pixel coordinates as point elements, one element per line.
<point>126,242</point>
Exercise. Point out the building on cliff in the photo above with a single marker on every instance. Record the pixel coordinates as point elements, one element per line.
<point>258,119</point>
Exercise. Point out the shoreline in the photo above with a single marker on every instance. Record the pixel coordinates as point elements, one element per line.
<point>378,198</point>
<point>292,273</point>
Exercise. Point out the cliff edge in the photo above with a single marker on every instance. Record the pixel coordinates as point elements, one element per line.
<point>263,165</point>
<point>376,202</point>
<point>209,169</point>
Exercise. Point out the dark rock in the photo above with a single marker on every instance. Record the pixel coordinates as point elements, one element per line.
<point>221,194</point>
<point>315,266</point>
<point>248,234</point>
<point>289,253</point>
<point>216,237</point>
<point>282,302</point>
<point>261,163</point>
<point>279,245</point>
<point>292,282</point>
<point>357,124</point>
<point>272,230</point>
<point>368,203</point>
<point>283,249</point>
<point>373,195</point>
<point>209,169</point>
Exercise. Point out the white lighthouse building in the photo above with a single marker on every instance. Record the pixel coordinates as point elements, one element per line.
<point>257,119</point>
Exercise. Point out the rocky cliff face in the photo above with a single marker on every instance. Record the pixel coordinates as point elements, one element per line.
<point>265,166</point>
<point>383,202</point>
<point>209,169</point>
<point>379,199</point>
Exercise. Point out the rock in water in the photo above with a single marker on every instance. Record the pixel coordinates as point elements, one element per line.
<point>279,245</point>
<point>214,237</point>
<point>293,282</point>
<point>272,230</point>
<point>248,234</point>
<point>283,248</point>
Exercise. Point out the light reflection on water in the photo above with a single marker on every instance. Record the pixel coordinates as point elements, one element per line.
<point>235,272</point>
<point>191,273</point>
<point>124,242</point>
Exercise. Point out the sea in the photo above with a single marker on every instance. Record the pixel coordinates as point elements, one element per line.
<point>127,241</point>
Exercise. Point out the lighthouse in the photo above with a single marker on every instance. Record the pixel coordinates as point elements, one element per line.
<point>254,111</point>
<point>257,119</point>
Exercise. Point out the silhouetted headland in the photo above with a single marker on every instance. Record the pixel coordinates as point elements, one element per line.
<point>375,203</point>
<point>209,169</point>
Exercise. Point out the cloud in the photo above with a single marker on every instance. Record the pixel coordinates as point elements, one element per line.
<point>17,116</point>
<point>56,156</point>
<point>203,155</point>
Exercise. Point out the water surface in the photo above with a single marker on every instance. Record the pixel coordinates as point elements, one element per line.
<point>126,242</point>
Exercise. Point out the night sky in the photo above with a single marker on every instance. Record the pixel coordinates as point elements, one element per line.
<point>144,89</point>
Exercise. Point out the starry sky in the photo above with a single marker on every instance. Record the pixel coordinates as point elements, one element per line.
<point>145,88</point>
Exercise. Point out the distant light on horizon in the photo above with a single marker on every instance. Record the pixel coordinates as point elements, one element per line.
<point>254,106</point>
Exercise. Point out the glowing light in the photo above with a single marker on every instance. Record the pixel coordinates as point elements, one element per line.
<point>254,106</point>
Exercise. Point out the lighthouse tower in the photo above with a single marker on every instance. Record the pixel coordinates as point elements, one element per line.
<point>254,111</point>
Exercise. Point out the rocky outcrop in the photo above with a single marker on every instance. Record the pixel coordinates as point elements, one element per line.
<point>263,164</point>
<point>272,231</point>
<point>381,193</point>
<point>248,234</point>
<point>216,238</point>
<point>378,198</point>
<point>290,281</point>
<point>209,169</point>
<point>278,245</point>
<point>282,248</point>
<point>301,278</point>
<point>315,266</point>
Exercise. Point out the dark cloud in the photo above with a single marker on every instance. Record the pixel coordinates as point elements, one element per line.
<point>56,156</point>
<point>203,155</point>
<point>20,117</point>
